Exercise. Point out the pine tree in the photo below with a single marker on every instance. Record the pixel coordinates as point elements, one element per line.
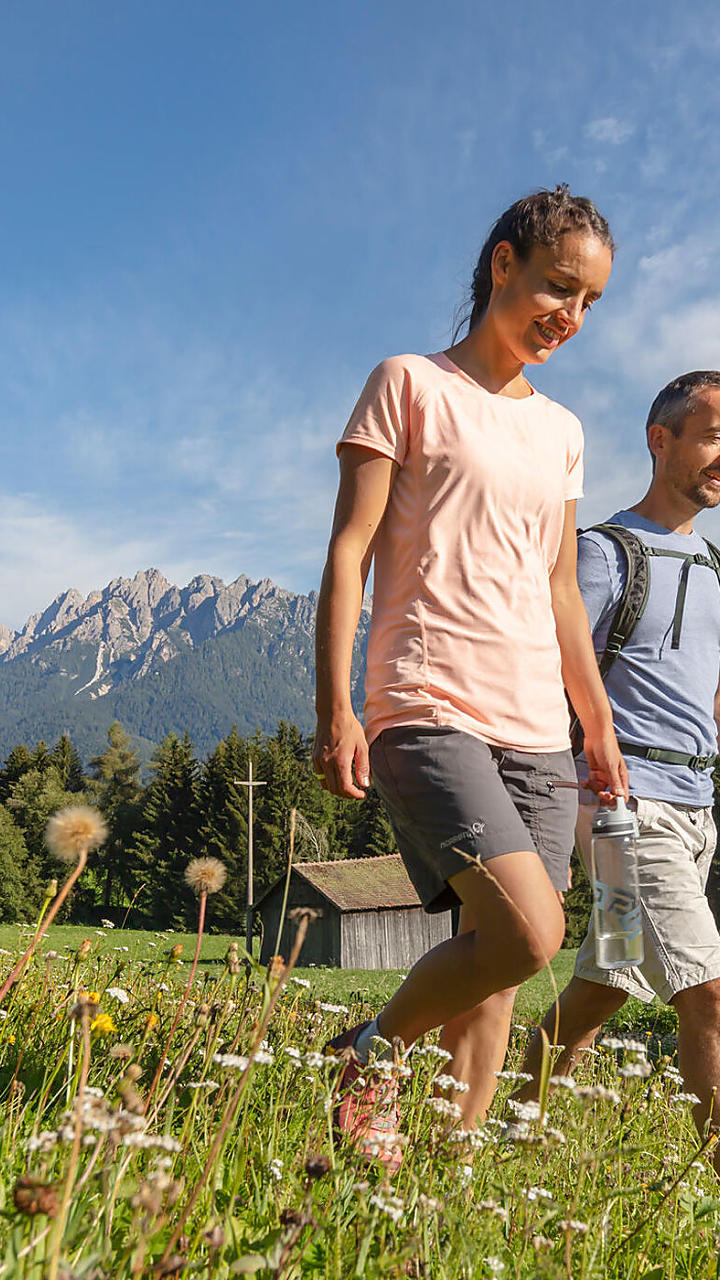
<point>68,764</point>
<point>223,826</point>
<point>169,836</point>
<point>117,789</point>
<point>20,892</point>
<point>372,833</point>
<point>19,762</point>
<point>33,798</point>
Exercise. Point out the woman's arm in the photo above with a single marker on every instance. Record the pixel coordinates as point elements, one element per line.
<point>581,676</point>
<point>366,479</point>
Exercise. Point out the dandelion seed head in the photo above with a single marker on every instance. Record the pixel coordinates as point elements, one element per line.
<point>73,832</point>
<point>205,875</point>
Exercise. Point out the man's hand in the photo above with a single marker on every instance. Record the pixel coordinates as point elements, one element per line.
<point>608,771</point>
<point>341,747</point>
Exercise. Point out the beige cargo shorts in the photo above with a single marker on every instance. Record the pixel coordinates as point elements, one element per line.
<point>675,847</point>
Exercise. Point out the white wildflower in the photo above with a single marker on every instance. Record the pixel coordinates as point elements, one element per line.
<point>427,1204</point>
<point>524,1110</point>
<point>332,1008</point>
<point>232,1060</point>
<point>519,1076</point>
<point>692,1098</point>
<point>446,1081</point>
<point>563,1082</point>
<point>433,1051</point>
<point>623,1042</point>
<point>293,1053</point>
<point>641,1069</point>
<point>202,1084</point>
<point>392,1206</point>
<point>492,1206</point>
<point>572,1224</point>
<point>494,1264</point>
<point>301,982</point>
<point>466,1173</point>
<point>107,924</point>
<point>117,993</point>
<point>275,1168</point>
<point>596,1093</point>
<point>536,1193</point>
<point>441,1107</point>
<point>162,1141</point>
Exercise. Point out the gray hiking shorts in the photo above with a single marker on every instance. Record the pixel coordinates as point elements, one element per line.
<point>445,788</point>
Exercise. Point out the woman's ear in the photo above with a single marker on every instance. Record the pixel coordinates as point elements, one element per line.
<point>501,262</point>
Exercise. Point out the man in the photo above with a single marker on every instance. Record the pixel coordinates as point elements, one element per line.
<point>663,689</point>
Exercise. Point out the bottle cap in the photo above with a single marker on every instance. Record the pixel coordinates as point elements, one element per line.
<point>619,821</point>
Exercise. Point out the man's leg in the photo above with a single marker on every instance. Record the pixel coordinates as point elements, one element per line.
<point>574,1022</point>
<point>698,1010</point>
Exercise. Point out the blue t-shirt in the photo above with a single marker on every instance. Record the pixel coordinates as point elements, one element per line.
<point>660,696</point>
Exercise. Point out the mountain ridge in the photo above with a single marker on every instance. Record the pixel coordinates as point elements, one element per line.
<point>243,648</point>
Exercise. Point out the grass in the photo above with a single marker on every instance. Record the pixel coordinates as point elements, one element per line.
<point>231,1167</point>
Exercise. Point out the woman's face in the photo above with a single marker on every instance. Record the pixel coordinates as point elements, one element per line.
<point>538,304</point>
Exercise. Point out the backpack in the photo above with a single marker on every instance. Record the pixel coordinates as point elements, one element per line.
<point>629,611</point>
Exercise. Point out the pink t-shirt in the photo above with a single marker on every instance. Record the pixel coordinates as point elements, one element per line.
<point>462,632</point>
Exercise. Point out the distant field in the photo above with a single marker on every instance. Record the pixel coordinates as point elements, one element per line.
<point>344,986</point>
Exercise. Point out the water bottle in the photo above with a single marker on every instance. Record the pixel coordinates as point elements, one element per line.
<point>616,891</point>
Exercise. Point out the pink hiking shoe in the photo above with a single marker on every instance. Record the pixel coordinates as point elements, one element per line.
<point>367,1104</point>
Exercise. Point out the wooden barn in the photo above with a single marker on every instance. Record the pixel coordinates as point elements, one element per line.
<point>371,915</point>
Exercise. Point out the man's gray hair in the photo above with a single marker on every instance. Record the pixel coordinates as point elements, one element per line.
<point>672,405</point>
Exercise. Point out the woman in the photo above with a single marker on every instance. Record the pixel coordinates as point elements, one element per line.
<point>461,480</point>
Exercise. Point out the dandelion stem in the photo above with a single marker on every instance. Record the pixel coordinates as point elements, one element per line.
<point>232,1106</point>
<point>43,926</point>
<point>184,1000</point>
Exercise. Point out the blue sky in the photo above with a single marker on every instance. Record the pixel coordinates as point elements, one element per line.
<point>219,217</point>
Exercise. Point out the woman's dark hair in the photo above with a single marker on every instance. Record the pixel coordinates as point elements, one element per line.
<point>537,219</point>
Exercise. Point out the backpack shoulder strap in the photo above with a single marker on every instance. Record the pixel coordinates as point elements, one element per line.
<point>633,600</point>
<point>629,609</point>
<point>714,554</point>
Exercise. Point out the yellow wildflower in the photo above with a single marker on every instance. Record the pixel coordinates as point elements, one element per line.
<point>151,1021</point>
<point>103,1025</point>
<point>10,1038</point>
<point>92,996</point>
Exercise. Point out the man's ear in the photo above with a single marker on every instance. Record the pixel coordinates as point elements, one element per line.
<point>657,437</point>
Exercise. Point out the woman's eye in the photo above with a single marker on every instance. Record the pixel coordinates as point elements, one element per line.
<point>559,287</point>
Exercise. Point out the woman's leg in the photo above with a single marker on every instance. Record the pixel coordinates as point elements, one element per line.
<point>478,1043</point>
<point>515,925</point>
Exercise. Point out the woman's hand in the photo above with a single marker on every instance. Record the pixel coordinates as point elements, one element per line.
<point>608,771</point>
<point>341,748</point>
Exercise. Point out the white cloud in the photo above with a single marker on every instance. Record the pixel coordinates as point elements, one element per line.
<point>609,129</point>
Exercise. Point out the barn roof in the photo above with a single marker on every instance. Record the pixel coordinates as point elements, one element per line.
<point>360,884</point>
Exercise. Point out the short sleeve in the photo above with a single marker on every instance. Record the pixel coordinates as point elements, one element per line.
<point>575,448</point>
<point>381,417</point>
<point>600,581</point>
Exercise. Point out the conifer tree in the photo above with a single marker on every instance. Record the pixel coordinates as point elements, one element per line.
<point>20,891</point>
<point>372,833</point>
<point>117,789</point>
<point>68,764</point>
<point>19,762</point>
<point>169,836</point>
<point>223,829</point>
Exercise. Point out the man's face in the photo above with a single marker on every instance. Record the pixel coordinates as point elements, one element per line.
<point>692,461</point>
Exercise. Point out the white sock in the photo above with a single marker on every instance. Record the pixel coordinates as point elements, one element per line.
<point>371,1040</point>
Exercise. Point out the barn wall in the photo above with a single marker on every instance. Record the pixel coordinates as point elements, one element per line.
<point>322,941</point>
<point>390,939</point>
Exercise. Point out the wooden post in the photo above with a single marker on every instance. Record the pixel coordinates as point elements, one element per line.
<point>250,892</point>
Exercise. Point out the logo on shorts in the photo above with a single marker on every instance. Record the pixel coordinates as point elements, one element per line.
<point>468,833</point>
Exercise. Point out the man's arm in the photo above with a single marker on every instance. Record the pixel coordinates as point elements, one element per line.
<point>581,676</point>
<point>717,710</point>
